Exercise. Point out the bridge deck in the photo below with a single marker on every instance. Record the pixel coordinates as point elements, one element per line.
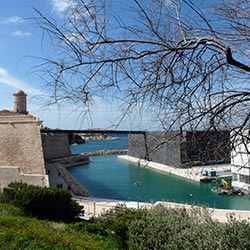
<point>88,131</point>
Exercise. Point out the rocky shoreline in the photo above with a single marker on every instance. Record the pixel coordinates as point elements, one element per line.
<point>105,152</point>
<point>97,137</point>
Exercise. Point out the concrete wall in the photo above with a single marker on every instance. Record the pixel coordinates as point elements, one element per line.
<point>20,144</point>
<point>10,174</point>
<point>55,146</point>
<point>205,147</point>
<point>161,147</point>
<point>181,150</point>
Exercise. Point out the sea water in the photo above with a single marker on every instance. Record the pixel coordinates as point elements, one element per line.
<point>111,178</point>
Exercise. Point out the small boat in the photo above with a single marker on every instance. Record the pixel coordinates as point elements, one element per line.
<point>238,192</point>
<point>222,190</point>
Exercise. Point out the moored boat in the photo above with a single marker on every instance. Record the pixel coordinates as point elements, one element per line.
<point>224,188</point>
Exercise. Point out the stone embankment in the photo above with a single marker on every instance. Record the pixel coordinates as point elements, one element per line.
<point>105,152</point>
<point>74,185</point>
<point>73,160</point>
<point>98,136</point>
<point>193,173</point>
<point>60,177</point>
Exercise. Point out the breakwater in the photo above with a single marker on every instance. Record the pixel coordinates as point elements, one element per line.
<point>105,152</point>
<point>72,160</point>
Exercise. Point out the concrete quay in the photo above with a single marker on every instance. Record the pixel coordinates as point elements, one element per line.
<point>95,207</point>
<point>192,173</point>
<point>60,177</point>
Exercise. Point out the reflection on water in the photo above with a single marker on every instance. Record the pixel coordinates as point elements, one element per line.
<point>109,177</point>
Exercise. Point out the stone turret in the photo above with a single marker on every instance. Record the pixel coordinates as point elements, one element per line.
<point>21,152</point>
<point>19,102</point>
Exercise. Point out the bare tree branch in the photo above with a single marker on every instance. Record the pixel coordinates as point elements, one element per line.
<point>186,66</point>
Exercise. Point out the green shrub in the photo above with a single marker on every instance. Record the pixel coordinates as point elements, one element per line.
<point>108,218</point>
<point>235,234</point>
<point>10,192</point>
<point>93,228</point>
<point>178,229</point>
<point>123,221</point>
<point>162,228</point>
<point>19,233</point>
<point>7,210</point>
<point>118,221</point>
<point>43,203</point>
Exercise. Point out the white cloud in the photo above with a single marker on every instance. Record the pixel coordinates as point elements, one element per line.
<point>59,6</point>
<point>20,33</point>
<point>7,79</point>
<point>12,20</point>
<point>168,3</point>
<point>3,72</point>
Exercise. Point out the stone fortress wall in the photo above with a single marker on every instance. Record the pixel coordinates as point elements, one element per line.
<point>29,156</point>
<point>21,153</point>
<point>21,143</point>
<point>55,146</point>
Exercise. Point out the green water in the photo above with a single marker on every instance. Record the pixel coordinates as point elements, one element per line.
<point>109,177</point>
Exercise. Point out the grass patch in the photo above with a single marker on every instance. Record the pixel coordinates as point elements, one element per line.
<point>19,232</point>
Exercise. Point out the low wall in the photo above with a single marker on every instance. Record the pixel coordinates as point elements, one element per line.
<point>10,174</point>
<point>220,215</point>
<point>75,186</point>
<point>96,207</point>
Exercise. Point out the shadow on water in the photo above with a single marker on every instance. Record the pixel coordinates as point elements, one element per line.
<point>96,188</point>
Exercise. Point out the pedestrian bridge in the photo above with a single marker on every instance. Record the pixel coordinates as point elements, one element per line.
<point>91,131</point>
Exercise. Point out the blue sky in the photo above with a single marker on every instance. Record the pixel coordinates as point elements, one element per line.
<point>20,44</point>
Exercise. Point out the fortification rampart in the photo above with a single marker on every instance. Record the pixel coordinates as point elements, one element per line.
<point>21,155</point>
<point>20,144</point>
<point>55,146</point>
